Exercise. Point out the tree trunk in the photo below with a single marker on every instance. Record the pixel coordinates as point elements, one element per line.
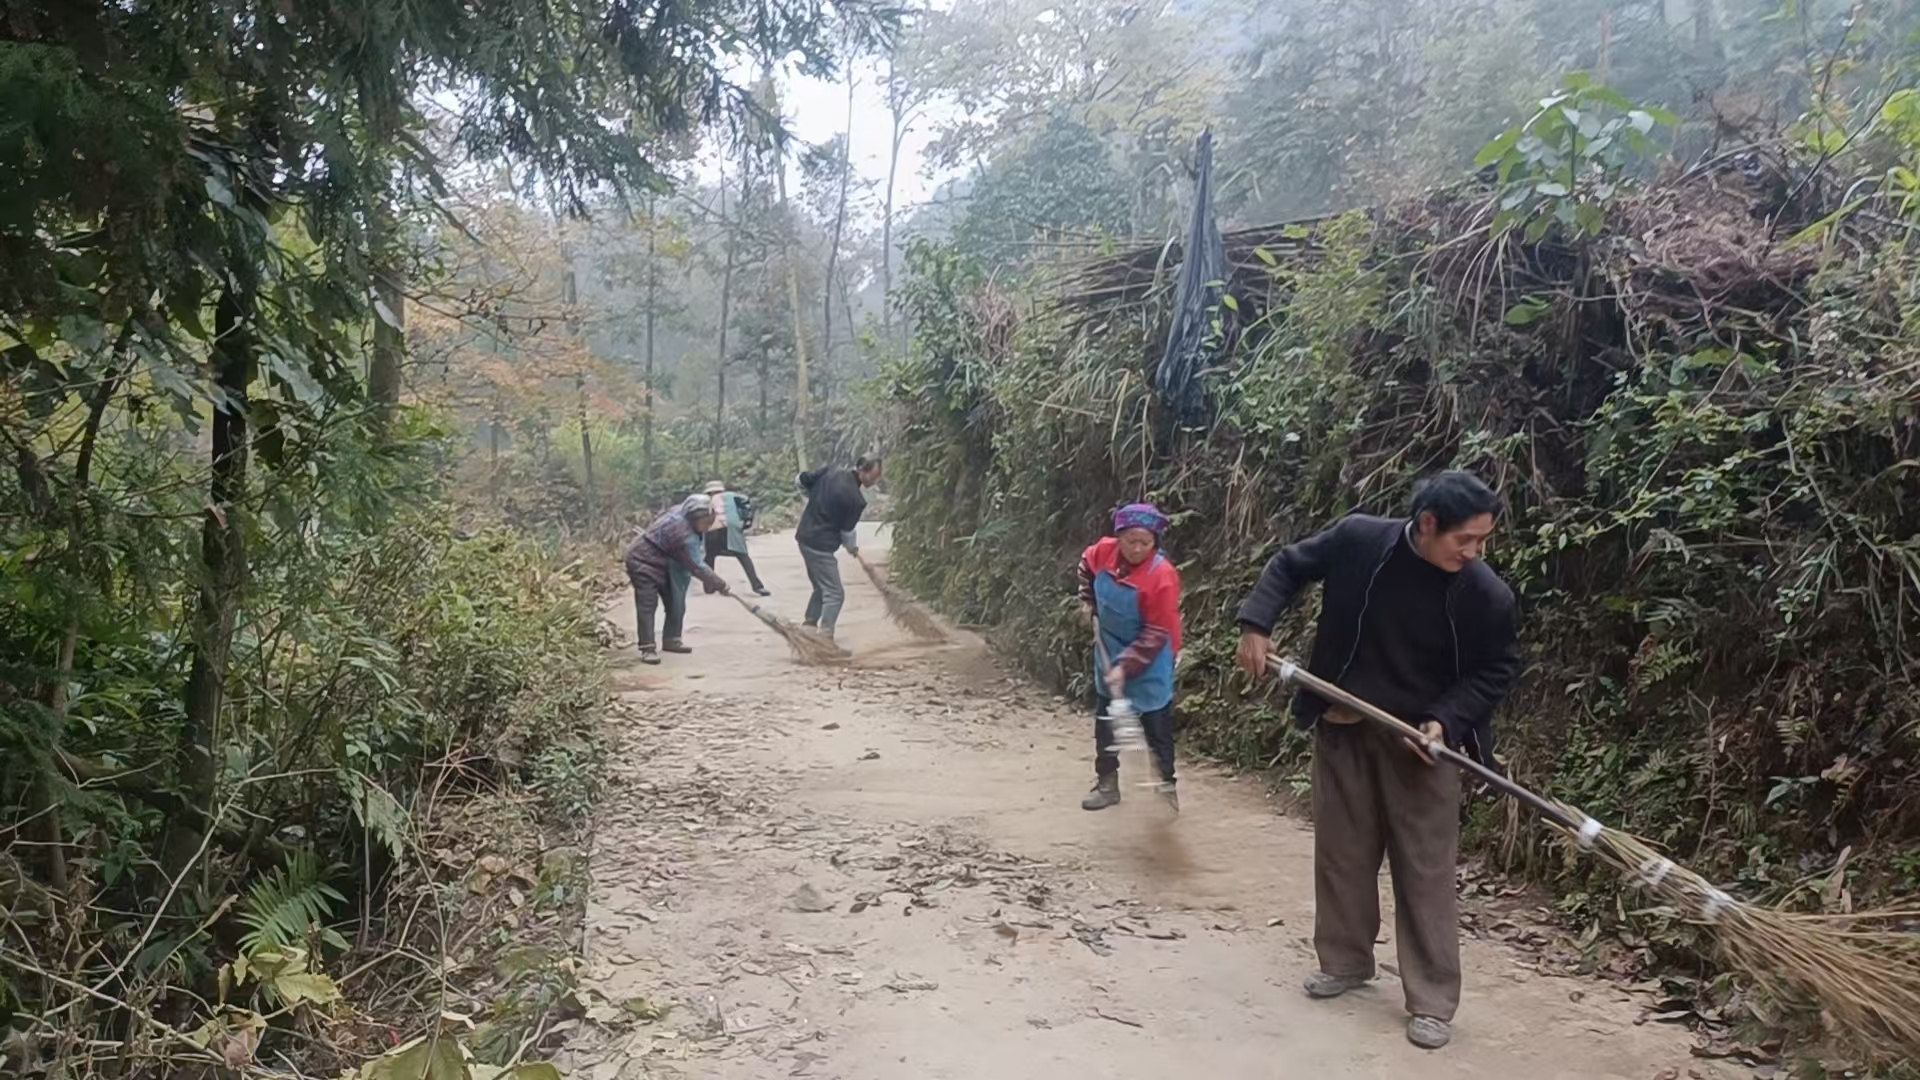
<point>839,225</point>
<point>580,393</point>
<point>801,391</point>
<point>389,328</point>
<point>762,362</point>
<point>223,566</point>
<point>898,109</point>
<point>646,422</point>
<point>726,302</point>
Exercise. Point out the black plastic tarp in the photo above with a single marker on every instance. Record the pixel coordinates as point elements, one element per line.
<point>1198,316</point>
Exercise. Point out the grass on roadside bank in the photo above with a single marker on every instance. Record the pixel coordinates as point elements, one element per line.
<point>404,807</point>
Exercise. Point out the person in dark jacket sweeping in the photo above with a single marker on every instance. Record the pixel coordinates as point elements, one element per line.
<point>1412,621</point>
<point>834,506</point>
<point>667,546</point>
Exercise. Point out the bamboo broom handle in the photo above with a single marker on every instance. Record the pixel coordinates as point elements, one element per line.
<point>1290,671</point>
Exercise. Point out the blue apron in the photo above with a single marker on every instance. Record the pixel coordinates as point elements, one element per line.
<point>679,577</point>
<point>736,530</point>
<point>1120,623</point>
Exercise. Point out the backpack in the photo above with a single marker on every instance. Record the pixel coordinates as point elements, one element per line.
<point>746,512</point>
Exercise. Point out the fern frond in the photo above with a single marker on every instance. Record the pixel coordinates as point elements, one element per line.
<point>285,904</point>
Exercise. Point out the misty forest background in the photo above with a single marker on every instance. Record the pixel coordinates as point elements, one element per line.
<point>342,344</point>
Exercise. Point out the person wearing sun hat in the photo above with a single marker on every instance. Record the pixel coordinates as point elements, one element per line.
<point>1130,591</point>
<point>732,517</point>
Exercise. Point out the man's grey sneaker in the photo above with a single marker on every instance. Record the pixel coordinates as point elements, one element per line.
<point>1171,794</point>
<point>762,590</point>
<point>649,654</point>
<point>676,646</point>
<point>1429,1033</point>
<point>1322,985</point>
<point>1105,793</point>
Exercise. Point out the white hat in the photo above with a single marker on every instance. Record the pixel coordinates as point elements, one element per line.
<point>714,487</point>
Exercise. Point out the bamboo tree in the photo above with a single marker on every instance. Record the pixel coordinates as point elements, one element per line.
<point>223,557</point>
<point>839,225</point>
<point>577,351</point>
<point>801,391</point>
<point>653,281</point>
<point>732,228</point>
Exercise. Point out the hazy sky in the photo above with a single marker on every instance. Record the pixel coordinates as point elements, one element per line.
<point>817,111</point>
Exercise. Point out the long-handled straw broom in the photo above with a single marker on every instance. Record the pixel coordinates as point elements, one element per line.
<point>902,608</point>
<point>808,648</point>
<point>1123,720</point>
<point>1865,981</point>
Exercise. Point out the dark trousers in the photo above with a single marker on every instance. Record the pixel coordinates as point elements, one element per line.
<point>717,546</point>
<point>646,593</point>
<point>1159,730</point>
<point>1372,796</point>
<point>746,563</point>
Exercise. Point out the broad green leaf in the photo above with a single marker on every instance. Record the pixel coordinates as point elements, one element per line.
<point>1528,311</point>
<point>298,986</point>
<point>1265,256</point>
<point>1232,304</point>
<point>1497,149</point>
<point>1552,189</point>
<point>440,1059</point>
<point>1663,117</point>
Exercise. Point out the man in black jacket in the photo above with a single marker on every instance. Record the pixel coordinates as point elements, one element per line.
<point>834,506</point>
<point>1412,621</point>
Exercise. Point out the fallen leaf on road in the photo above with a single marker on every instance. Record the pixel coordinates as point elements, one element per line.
<point>808,899</point>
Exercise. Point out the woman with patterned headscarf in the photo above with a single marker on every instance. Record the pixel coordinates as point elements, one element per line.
<point>661,562</point>
<point>1130,590</point>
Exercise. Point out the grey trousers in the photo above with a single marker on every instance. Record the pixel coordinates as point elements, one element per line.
<point>1372,796</point>
<point>823,572</point>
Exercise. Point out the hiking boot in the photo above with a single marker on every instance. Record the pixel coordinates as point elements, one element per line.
<point>676,646</point>
<point>1322,985</point>
<point>762,590</point>
<point>1170,795</point>
<point>1429,1032</point>
<point>1105,793</point>
<point>649,654</point>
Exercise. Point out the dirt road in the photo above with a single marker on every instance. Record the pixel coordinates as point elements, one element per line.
<point>883,873</point>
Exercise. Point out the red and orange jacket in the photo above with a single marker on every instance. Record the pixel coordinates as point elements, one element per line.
<point>1157,584</point>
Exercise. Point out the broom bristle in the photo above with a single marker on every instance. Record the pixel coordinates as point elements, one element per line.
<point>808,648</point>
<point>1865,983</point>
<point>903,609</point>
<point>813,649</point>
